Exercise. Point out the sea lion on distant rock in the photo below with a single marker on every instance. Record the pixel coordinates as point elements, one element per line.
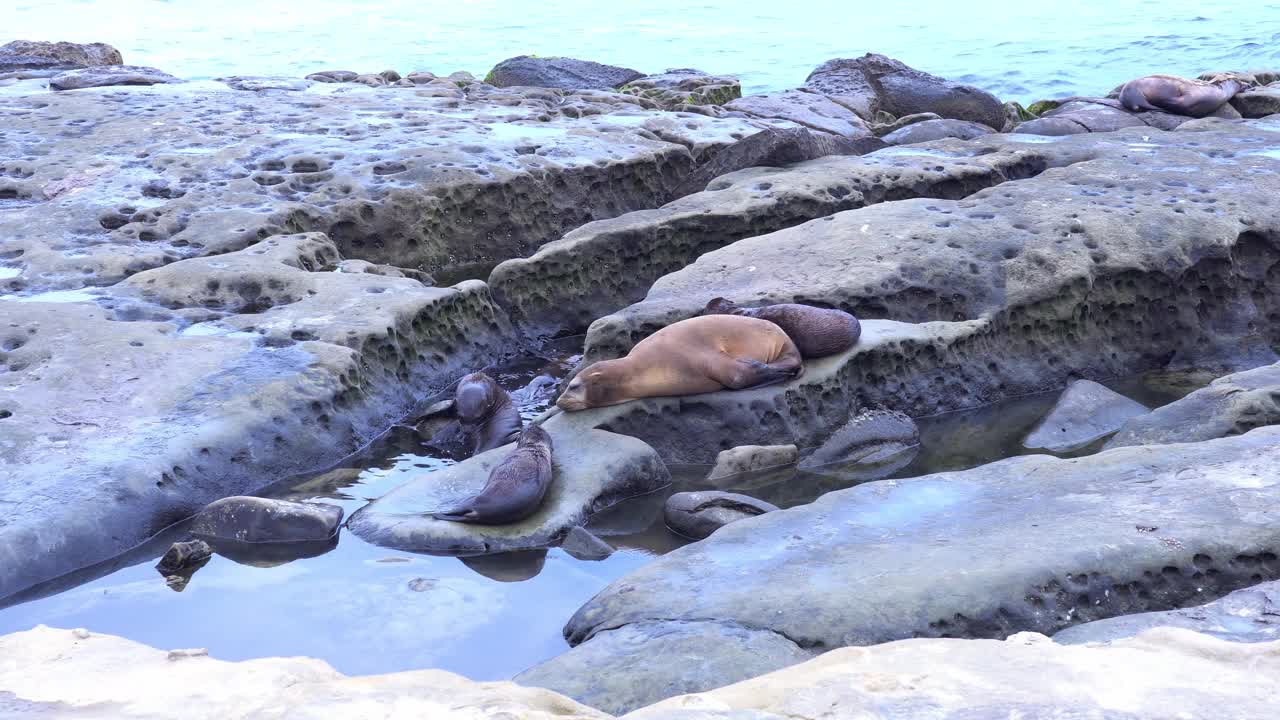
<point>698,355</point>
<point>515,487</point>
<point>1181,96</point>
<point>817,332</point>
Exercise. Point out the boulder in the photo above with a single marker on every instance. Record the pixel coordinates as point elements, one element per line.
<point>928,130</point>
<point>1030,543</point>
<point>1258,102</point>
<point>33,55</point>
<point>1085,412</point>
<point>869,437</point>
<point>749,458</point>
<point>333,76</point>
<point>108,75</point>
<point>1231,405</point>
<point>1165,673</point>
<point>559,72</point>
<point>592,470</point>
<point>698,514</point>
<point>47,672</point>
<point>264,520</point>
<point>874,82</point>
<point>809,109</point>
<point>181,561</point>
<point>1251,615</point>
<point>679,658</point>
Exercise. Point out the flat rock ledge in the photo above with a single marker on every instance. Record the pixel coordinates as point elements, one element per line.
<point>48,672</point>
<point>1166,674</point>
<point>592,471</point>
<point>1032,543</point>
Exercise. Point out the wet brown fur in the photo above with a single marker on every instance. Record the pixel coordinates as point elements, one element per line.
<point>1180,96</point>
<point>516,486</point>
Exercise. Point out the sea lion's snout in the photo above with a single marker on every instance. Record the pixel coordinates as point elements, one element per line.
<point>574,396</point>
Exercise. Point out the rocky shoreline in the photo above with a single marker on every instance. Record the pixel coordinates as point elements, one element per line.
<point>208,287</point>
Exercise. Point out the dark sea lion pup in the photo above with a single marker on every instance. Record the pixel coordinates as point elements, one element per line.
<point>515,487</point>
<point>489,418</point>
<point>1180,96</point>
<point>817,332</point>
<point>698,355</point>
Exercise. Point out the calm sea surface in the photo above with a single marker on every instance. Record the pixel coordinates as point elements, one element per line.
<point>1019,53</point>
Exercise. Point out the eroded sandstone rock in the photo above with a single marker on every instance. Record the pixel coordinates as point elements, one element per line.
<point>107,75</point>
<point>809,109</point>
<point>873,82</point>
<point>40,57</point>
<point>1231,405</point>
<point>749,458</point>
<point>698,514</point>
<point>266,520</point>
<point>927,130</point>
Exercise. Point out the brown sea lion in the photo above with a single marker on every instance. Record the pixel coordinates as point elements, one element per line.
<point>485,418</point>
<point>1180,96</point>
<point>817,332</point>
<point>515,487</point>
<point>698,355</point>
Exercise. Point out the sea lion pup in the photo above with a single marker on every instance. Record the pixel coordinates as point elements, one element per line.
<point>515,487</point>
<point>816,331</point>
<point>698,355</point>
<point>489,419</point>
<point>1180,96</point>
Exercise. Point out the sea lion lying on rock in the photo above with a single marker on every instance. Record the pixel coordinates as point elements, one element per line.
<point>515,487</point>
<point>817,332</point>
<point>1181,96</point>
<point>698,355</point>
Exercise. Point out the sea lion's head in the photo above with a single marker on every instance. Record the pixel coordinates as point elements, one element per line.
<point>535,436</point>
<point>599,385</point>
<point>721,306</point>
<point>475,397</point>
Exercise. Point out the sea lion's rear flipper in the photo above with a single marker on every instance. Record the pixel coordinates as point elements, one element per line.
<point>464,513</point>
<point>753,374</point>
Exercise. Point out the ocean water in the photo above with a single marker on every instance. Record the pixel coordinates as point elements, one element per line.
<point>1019,51</point>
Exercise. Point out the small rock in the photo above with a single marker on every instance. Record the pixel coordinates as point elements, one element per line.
<point>390,76</point>
<point>698,514</point>
<point>21,55</point>
<point>420,78</point>
<point>936,130</point>
<point>749,458</point>
<point>886,123</point>
<point>1085,412</point>
<point>109,75</point>
<point>1258,102</point>
<point>581,544</point>
<point>867,438</point>
<point>183,555</point>
<point>81,634</point>
<point>461,77</point>
<point>370,80</point>
<point>256,84</point>
<point>559,72</point>
<point>176,655</point>
<point>254,519</point>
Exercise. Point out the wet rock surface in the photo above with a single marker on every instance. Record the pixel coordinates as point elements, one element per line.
<point>679,658</point>
<point>172,330</point>
<point>698,514</point>
<point>1130,530</point>
<point>33,58</point>
<point>265,520</point>
<point>811,110</point>
<point>1230,405</point>
<point>1258,102</point>
<point>1084,413</point>
<point>869,437</point>
<point>559,72</point>
<point>1165,674</point>
<point>1250,615</point>
<point>592,470</point>
<point>680,88</point>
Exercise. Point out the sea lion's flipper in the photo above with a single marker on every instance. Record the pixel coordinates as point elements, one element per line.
<point>464,513</point>
<point>753,374</point>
